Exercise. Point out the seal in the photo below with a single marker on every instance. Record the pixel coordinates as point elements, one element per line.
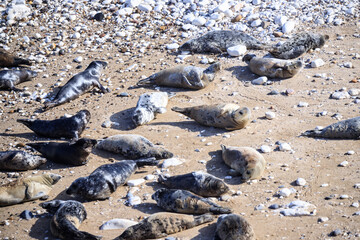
<point>27,189</point>
<point>162,224</point>
<point>68,215</point>
<point>80,84</point>
<point>200,183</point>
<point>273,67</point>
<point>299,44</point>
<point>346,129</point>
<point>106,179</point>
<point>10,78</point>
<point>67,127</point>
<point>229,116</point>
<point>233,227</point>
<point>9,60</point>
<point>66,153</point>
<point>182,201</point>
<point>219,41</point>
<point>190,77</point>
<point>19,161</point>
<point>133,146</point>
<point>245,161</point>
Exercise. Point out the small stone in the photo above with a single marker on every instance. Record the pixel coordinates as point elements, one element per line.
<point>355,204</point>
<point>285,192</point>
<point>288,27</point>
<point>134,200</point>
<point>336,232</point>
<point>237,50</point>
<point>99,16</point>
<point>357,186</point>
<point>278,34</point>
<point>284,147</point>
<point>225,197</point>
<point>273,92</point>
<point>300,182</point>
<point>172,162</point>
<point>344,164</point>
<point>303,104</point>
<point>351,152</point>
<point>78,59</point>
<point>237,18</point>
<point>259,81</point>
<point>256,23</point>
<point>354,92</point>
<point>150,177</point>
<point>199,21</point>
<point>340,95</point>
<point>274,206</point>
<point>270,115</point>
<point>265,149</point>
<point>26,214</point>
<point>145,7</point>
<point>322,219</point>
<point>172,46</point>
<point>124,94</point>
<point>117,223</point>
<point>289,92</point>
<point>344,196</point>
<point>259,207</point>
<point>317,63</point>
<point>135,182</point>
<point>106,124</point>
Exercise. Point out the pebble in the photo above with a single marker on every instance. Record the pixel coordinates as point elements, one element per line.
<point>348,65</point>
<point>259,207</point>
<point>303,104</point>
<point>149,177</point>
<point>237,50</point>
<point>344,164</point>
<point>26,214</point>
<point>270,115</point>
<point>322,219</point>
<point>135,182</point>
<point>259,81</point>
<point>288,27</point>
<point>284,147</point>
<point>133,200</point>
<point>106,124</point>
<point>336,232</point>
<point>78,59</point>
<point>317,63</point>
<point>285,192</point>
<point>340,95</point>
<point>274,206</point>
<point>344,196</point>
<point>355,204</point>
<point>298,208</point>
<point>170,162</point>
<point>265,149</point>
<point>357,186</point>
<point>117,223</point>
<point>199,21</point>
<point>300,182</point>
<point>225,197</point>
<point>354,92</point>
<point>99,16</point>
<point>172,46</point>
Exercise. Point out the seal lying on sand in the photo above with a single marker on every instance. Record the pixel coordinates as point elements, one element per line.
<point>182,201</point>
<point>233,227</point>
<point>133,146</point>
<point>80,84</point>
<point>68,215</point>
<point>219,41</point>
<point>229,116</point>
<point>245,161</point>
<point>10,78</point>
<point>299,44</point>
<point>8,60</point>
<point>66,153</point>
<point>106,179</point>
<point>27,189</point>
<point>70,127</point>
<point>346,129</point>
<point>19,161</point>
<point>183,77</point>
<point>161,224</point>
<point>272,67</point>
<point>200,183</point>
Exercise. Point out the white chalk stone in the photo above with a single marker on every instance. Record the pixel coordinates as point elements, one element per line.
<point>340,95</point>
<point>135,182</point>
<point>133,3</point>
<point>285,192</point>
<point>259,81</point>
<point>117,223</point>
<point>144,7</point>
<point>303,104</point>
<point>172,162</point>
<point>317,63</point>
<point>256,23</point>
<point>354,92</point>
<point>265,149</point>
<point>344,164</point>
<point>288,27</point>
<point>300,182</point>
<point>134,200</point>
<point>237,50</point>
<point>284,147</point>
<point>78,59</point>
<point>199,21</point>
<point>280,20</point>
<point>270,115</point>
<point>172,46</point>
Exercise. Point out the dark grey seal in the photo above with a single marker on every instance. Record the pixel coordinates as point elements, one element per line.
<point>9,60</point>
<point>10,78</point>
<point>19,161</point>
<point>68,215</point>
<point>233,227</point>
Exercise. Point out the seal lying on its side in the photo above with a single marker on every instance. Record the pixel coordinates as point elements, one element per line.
<point>68,215</point>
<point>183,77</point>
<point>10,78</point>
<point>8,60</point>
<point>200,183</point>
<point>19,161</point>
<point>106,179</point>
<point>272,67</point>
<point>229,116</point>
<point>233,227</point>
<point>161,224</point>
<point>346,129</point>
<point>27,189</point>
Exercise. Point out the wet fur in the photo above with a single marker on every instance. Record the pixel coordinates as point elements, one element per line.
<point>19,161</point>
<point>233,227</point>
<point>10,78</point>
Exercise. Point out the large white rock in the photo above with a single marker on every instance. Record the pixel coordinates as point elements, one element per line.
<point>18,12</point>
<point>270,115</point>
<point>145,7</point>
<point>299,208</point>
<point>285,192</point>
<point>199,21</point>
<point>171,162</point>
<point>259,81</point>
<point>133,3</point>
<point>117,223</point>
<point>284,147</point>
<point>237,50</point>
<point>222,7</point>
<point>340,95</point>
<point>288,27</point>
<point>317,63</point>
<point>135,182</point>
<point>172,46</point>
<point>265,149</point>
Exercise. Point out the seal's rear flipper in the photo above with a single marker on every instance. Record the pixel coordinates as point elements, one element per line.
<point>213,68</point>
<point>146,162</point>
<point>146,81</point>
<point>162,178</point>
<point>198,220</point>
<point>220,210</point>
<point>37,146</point>
<point>312,133</point>
<point>21,61</point>
<point>26,122</point>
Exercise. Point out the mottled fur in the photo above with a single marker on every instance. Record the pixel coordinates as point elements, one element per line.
<point>19,161</point>
<point>10,78</point>
<point>9,60</point>
<point>233,227</point>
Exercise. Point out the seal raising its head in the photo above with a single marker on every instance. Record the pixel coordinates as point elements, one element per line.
<point>19,161</point>
<point>233,227</point>
<point>9,60</point>
<point>10,78</point>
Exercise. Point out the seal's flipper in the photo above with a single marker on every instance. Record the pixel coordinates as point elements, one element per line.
<point>146,162</point>
<point>184,111</point>
<point>212,49</point>
<point>160,110</point>
<point>312,133</point>
<point>198,220</point>
<point>146,81</point>
<point>220,210</point>
<point>21,61</point>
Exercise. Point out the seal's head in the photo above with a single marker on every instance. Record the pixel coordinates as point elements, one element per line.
<point>321,39</point>
<point>86,143</point>
<point>54,178</point>
<point>247,58</point>
<point>142,116</point>
<point>85,115</point>
<point>241,116</point>
<point>157,195</point>
<point>31,74</point>
<point>190,46</point>
<point>99,65</point>
<point>76,186</point>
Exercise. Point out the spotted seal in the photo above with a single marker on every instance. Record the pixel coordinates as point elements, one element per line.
<point>183,77</point>
<point>245,162</point>
<point>27,189</point>
<point>133,146</point>
<point>200,183</point>
<point>346,129</point>
<point>19,161</point>
<point>10,78</point>
<point>161,224</point>
<point>67,127</point>
<point>273,67</point>
<point>106,179</point>
<point>299,44</point>
<point>66,153</point>
<point>229,116</point>
<point>68,215</point>
<point>233,227</point>
<point>9,60</point>
<point>219,41</point>
<point>80,84</point>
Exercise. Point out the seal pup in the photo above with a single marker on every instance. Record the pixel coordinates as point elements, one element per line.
<point>200,183</point>
<point>27,189</point>
<point>106,179</point>
<point>67,127</point>
<point>219,41</point>
<point>9,60</point>
<point>299,44</point>
<point>273,67</point>
<point>80,84</point>
<point>19,161</point>
<point>183,77</point>
<point>133,146</point>
<point>182,201</point>
<point>66,153</point>
<point>162,224</point>
<point>233,227</point>
<point>68,215</point>
<point>10,78</point>
<point>346,129</point>
<point>229,116</point>
<point>245,161</point>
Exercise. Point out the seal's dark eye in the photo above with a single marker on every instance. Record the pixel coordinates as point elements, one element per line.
<point>241,112</point>
<point>248,172</point>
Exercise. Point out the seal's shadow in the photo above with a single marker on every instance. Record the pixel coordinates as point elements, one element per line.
<point>242,73</point>
<point>207,232</point>
<point>30,136</point>
<point>106,155</point>
<point>148,208</point>
<point>123,118</point>
<point>41,228</point>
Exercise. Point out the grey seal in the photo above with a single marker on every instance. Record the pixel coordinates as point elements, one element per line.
<point>80,84</point>
<point>162,224</point>
<point>233,227</point>
<point>106,179</point>
<point>190,77</point>
<point>66,153</point>
<point>68,215</point>
<point>182,201</point>
<point>200,183</point>
<point>10,78</point>
<point>133,146</point>
<point>9,60</point>
<point>66,127</point>
<point>19,161</point>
